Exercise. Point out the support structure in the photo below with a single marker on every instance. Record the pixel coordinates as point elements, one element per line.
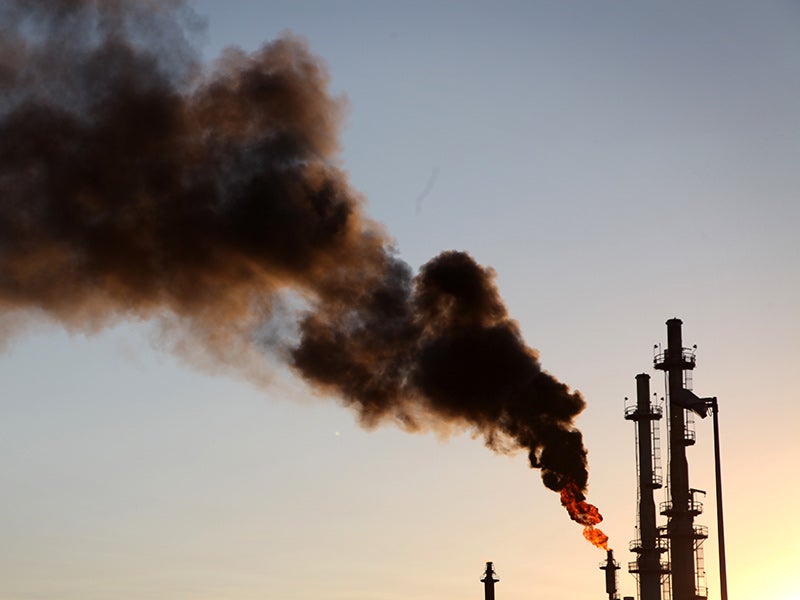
<point>683,576</point>
<point>702,406</point>
<point>648,567</point>
<point>723,569</point>
<point>684,538</point>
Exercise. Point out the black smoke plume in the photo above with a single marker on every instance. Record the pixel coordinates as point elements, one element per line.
<point>138,182</point>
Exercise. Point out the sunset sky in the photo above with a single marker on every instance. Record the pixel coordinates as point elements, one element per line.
<point>616,163</point>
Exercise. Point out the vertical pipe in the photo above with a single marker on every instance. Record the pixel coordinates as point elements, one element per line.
<point>489,581</point>
<point>723,569</point>
<point>648,559</point>
<point>680,525</point>
<point>611,568</point>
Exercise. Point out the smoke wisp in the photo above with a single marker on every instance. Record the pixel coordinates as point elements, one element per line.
<point>138,182</point>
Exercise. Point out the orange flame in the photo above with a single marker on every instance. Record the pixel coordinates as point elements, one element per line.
<point>584,513</point>
<point>596,537</point>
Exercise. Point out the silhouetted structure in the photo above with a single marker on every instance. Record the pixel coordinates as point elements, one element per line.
<point>702,406</point>
<point>488,581</point>
<point>610,566</point>
<point>683,577</point>
<point>648,568</point>
<point>685,539</point>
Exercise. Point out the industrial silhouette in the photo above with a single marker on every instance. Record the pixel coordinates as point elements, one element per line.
<point>682,576</point>
<point>136,181</point>
<point>488,581</point>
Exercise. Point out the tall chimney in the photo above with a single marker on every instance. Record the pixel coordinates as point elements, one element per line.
<point>488,581</point>
<point>684,539</point>
<point>648,545</point>
<point>610,566</point>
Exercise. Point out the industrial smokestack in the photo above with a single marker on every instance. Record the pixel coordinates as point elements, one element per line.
<point>488,581</point>
<point>138,182</point>
<point>610,566</point>
<point>648,567</point>
<point>684,539</point>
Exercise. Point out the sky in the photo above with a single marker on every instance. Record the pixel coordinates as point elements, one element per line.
<point>616,164</point>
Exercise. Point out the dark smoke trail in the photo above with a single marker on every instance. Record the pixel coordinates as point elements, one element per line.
<point>137,182</point>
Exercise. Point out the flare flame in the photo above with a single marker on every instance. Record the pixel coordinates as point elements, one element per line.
<point>584,513</point>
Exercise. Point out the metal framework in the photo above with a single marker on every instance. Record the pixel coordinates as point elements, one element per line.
<point>648,568</point>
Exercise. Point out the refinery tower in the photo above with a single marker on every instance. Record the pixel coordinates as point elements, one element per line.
<point>669,561</point>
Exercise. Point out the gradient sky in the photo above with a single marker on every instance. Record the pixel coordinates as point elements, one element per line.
<point>616,163</point>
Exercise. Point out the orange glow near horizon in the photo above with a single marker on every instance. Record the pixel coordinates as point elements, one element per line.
<point>584,513</point>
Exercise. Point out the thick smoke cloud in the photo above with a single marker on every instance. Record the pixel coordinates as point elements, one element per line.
<point>137,182</point>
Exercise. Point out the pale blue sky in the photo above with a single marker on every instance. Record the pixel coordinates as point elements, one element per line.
<point>617,163</point>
